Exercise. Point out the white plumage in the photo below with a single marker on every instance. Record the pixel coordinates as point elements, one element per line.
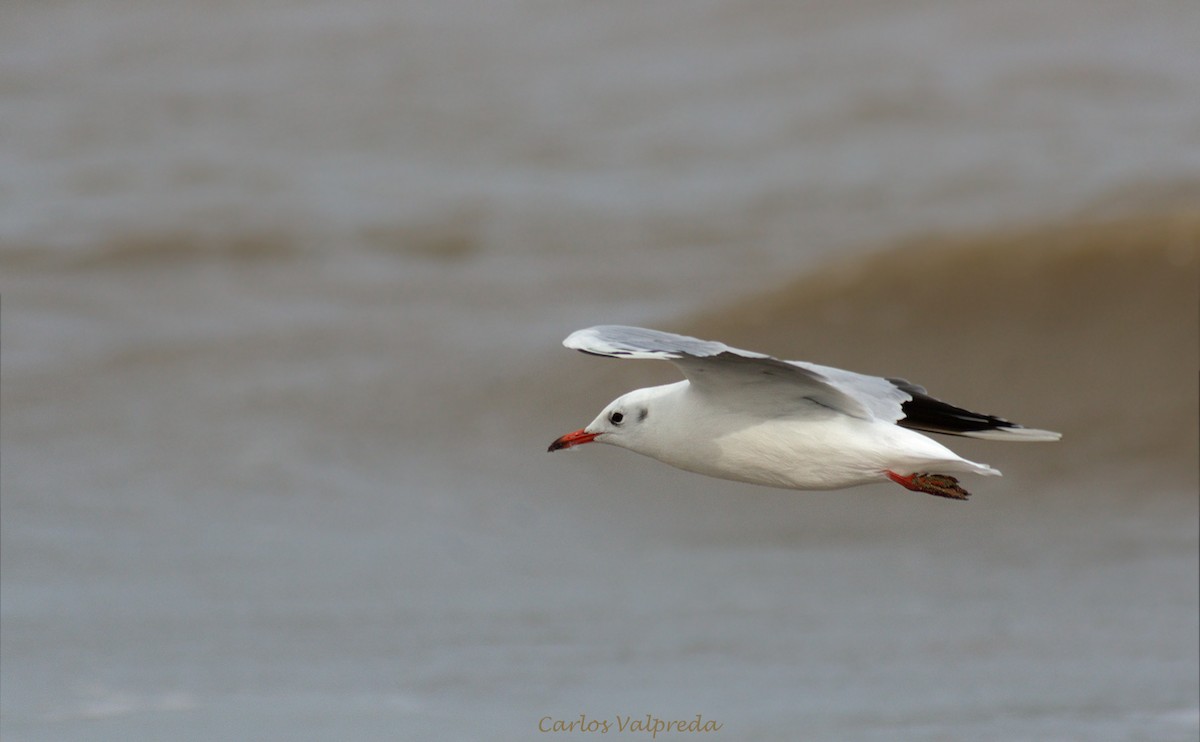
<point>752,418</point>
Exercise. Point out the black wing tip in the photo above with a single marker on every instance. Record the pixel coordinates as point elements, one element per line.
<point>930,414</point>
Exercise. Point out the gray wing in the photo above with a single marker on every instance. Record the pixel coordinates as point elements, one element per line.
<point>752,379</point>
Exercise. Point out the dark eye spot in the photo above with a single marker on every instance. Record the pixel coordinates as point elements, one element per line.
<point>616,418</point>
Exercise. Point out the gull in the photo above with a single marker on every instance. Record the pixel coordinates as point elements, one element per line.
<point>748,417</point>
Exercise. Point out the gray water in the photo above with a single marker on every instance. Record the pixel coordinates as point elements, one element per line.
<point>283,286</point>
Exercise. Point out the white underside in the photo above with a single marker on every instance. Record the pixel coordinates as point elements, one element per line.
<point>818,450</point>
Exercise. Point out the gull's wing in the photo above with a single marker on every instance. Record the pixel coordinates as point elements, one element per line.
<point>775,387</point>
<point>754,378</point>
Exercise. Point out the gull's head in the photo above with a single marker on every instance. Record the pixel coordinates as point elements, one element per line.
<point>624,422</point>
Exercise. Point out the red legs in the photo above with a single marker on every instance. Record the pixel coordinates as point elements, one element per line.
<point>941,485</point>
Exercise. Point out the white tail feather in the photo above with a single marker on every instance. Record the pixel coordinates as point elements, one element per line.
<point>1024,435</point>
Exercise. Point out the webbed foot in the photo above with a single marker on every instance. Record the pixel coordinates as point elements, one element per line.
<point>942,485</point>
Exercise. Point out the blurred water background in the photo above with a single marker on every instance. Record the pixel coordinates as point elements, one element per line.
<point>282,289</point>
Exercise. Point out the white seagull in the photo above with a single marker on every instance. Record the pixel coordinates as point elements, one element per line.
<point>752,418</point>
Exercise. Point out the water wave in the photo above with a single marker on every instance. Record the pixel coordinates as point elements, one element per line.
<point>1088,328</point>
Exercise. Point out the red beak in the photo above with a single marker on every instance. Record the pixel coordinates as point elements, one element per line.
<point>577,438</point>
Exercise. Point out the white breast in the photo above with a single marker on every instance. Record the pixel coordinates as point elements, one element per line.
<point>817,448</point>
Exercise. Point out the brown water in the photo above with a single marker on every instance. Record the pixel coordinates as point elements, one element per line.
<point>283,287</point>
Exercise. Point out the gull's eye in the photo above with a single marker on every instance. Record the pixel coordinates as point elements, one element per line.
<point>616,418</point>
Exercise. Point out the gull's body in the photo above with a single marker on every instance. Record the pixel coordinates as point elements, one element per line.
<point>810,448</point>
<point>751,418</point>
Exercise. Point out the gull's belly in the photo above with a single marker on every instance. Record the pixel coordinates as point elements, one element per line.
<point>826,453</point>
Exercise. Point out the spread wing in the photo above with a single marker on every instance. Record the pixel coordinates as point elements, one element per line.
<point>747,378</point>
